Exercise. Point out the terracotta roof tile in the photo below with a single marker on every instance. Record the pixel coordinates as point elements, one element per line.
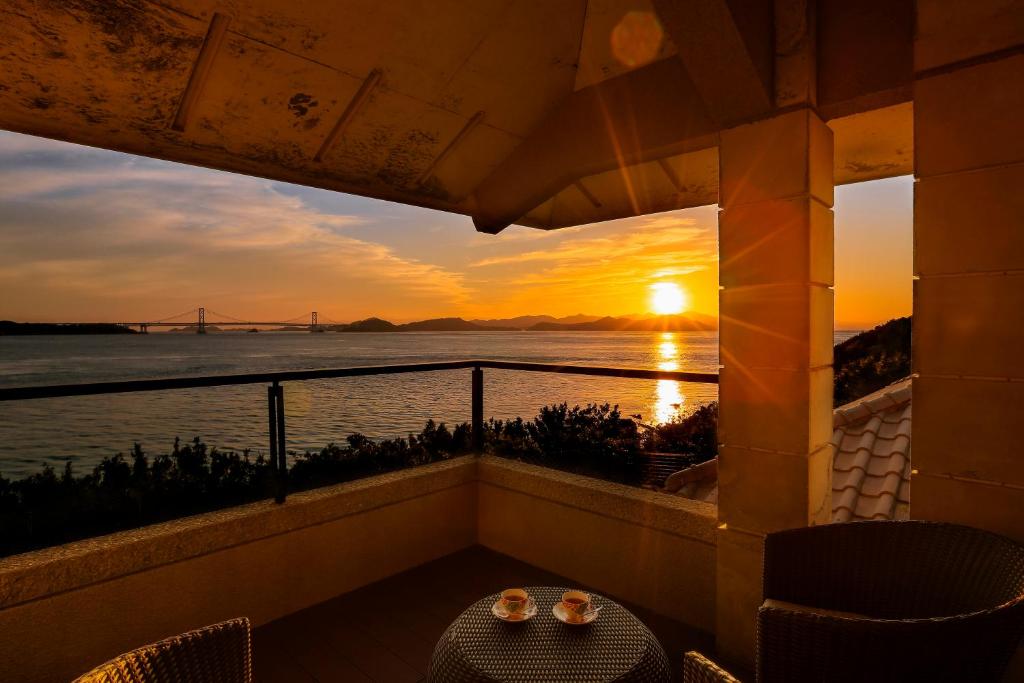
<point>871,458</point>
<point>881,455</point>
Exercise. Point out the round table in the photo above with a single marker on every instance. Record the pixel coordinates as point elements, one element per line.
<point>615,647</point>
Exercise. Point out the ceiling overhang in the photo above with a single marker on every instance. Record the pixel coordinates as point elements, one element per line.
<point>539,113</point>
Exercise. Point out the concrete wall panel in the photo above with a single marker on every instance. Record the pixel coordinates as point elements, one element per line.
<point>604,535</point>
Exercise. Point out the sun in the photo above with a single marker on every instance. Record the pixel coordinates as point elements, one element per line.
<point>668,298</point>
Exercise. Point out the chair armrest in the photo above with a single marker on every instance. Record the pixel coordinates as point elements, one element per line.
<point>806,609</point>
<point>699,669</point>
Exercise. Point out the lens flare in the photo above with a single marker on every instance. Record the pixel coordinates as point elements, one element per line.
<point>636,39</point>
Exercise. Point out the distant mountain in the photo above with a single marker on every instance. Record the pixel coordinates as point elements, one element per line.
<point>525,322</point>
<point>580,318</point>
<point>665,323</point>
<point>521,322</point>
<point>368,325</point>
<point>433,325</point>
<point>449,325</point>
<point>579,322</point>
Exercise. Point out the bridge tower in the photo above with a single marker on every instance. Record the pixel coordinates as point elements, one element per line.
<point>201,327</point>
<point>313,326</point>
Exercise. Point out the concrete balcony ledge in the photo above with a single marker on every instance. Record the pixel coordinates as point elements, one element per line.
<point>49,571</point>
<point>649,548</point>
<point>692,519</point>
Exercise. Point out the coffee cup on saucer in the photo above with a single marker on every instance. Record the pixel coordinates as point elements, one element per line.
<point>576,603</point>
<point>514,600</point>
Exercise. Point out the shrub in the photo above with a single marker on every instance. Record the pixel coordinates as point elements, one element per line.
<point>871,360</point>
<point>126,492</point>
<point>695,434</point>
<point>594,440</point>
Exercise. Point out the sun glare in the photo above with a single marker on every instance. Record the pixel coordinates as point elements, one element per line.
<point>667,298</point>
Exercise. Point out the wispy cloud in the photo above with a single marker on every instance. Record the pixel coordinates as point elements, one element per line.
<point>657,239</point>
<point>87,233</point>
<point>96,224</point>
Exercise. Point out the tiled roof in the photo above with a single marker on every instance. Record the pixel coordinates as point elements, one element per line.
<point>871,466</point>
<point>871,459</point>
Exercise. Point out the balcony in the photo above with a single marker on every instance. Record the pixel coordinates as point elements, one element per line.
<point>727,115</point>
<point>460,528</point>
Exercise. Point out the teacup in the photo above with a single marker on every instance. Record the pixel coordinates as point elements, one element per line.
<point>576,603</point>
<point>513,600</point>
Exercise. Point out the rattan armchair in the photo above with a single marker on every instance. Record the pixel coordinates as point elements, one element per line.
<point>885,601</point>
<point>221,653</point>
<point>889,601</point>
<point>699,669</point>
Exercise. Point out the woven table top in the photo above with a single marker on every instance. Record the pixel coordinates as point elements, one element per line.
<point>615,647</point>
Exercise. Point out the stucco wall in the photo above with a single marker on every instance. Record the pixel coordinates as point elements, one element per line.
<point>65,609</point>
<point>651,549</point>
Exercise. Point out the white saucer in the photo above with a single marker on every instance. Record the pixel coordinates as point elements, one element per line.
<point>527,614</point>
<point>566,617</point>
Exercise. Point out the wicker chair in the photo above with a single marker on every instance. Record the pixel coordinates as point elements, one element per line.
<point>699,669</point>
<point>221,653</point>
<point>885,601</point>
<point>889,601</point>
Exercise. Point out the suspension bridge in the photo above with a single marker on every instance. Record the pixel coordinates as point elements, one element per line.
<point>197,318</point>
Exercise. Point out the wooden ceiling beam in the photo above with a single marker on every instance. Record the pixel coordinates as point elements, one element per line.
<point>473,122</point>
<point>200,71</point>
<point>354,105</point>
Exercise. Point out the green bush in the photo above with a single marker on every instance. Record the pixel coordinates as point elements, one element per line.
<point>872,360</point>
<point>47,509</point>
<point>695,434</point>
<point>594,440</point>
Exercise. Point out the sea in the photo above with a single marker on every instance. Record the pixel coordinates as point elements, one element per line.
<point>83,430</point>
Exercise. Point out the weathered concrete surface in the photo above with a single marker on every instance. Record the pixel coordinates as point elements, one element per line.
<point>596,93</point>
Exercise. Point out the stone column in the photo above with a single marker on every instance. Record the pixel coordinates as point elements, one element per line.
<point>968,336</point>
<point>776,268</point>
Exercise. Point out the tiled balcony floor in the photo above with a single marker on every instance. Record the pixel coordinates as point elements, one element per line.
<point>367,635</point>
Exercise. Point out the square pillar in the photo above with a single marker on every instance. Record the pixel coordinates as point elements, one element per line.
<point>968,335</point>
<point>776,322</point>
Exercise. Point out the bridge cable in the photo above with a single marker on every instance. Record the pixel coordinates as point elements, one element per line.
<point>172,317</point>
<point>224,315</point>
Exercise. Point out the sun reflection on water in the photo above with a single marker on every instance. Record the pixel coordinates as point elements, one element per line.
<point>669,399</point>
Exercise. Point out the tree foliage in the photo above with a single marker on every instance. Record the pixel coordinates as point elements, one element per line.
<point>122,492</point>
<point>872,360</point>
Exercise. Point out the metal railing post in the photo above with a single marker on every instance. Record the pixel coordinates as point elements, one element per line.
<point>282,450</point>
<point>272,420</point>
<point>478,410</point>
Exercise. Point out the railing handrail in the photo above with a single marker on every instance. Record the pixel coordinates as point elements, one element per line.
<point>195,382</point>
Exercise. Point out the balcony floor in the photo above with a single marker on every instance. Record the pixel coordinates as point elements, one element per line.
<point>366,636</point>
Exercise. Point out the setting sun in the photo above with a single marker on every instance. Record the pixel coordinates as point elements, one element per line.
<point>668,298</point>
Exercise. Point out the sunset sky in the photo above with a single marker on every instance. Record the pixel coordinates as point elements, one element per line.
<point>92,235</point>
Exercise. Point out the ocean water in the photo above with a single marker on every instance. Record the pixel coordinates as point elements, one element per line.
<point>84,429</point>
